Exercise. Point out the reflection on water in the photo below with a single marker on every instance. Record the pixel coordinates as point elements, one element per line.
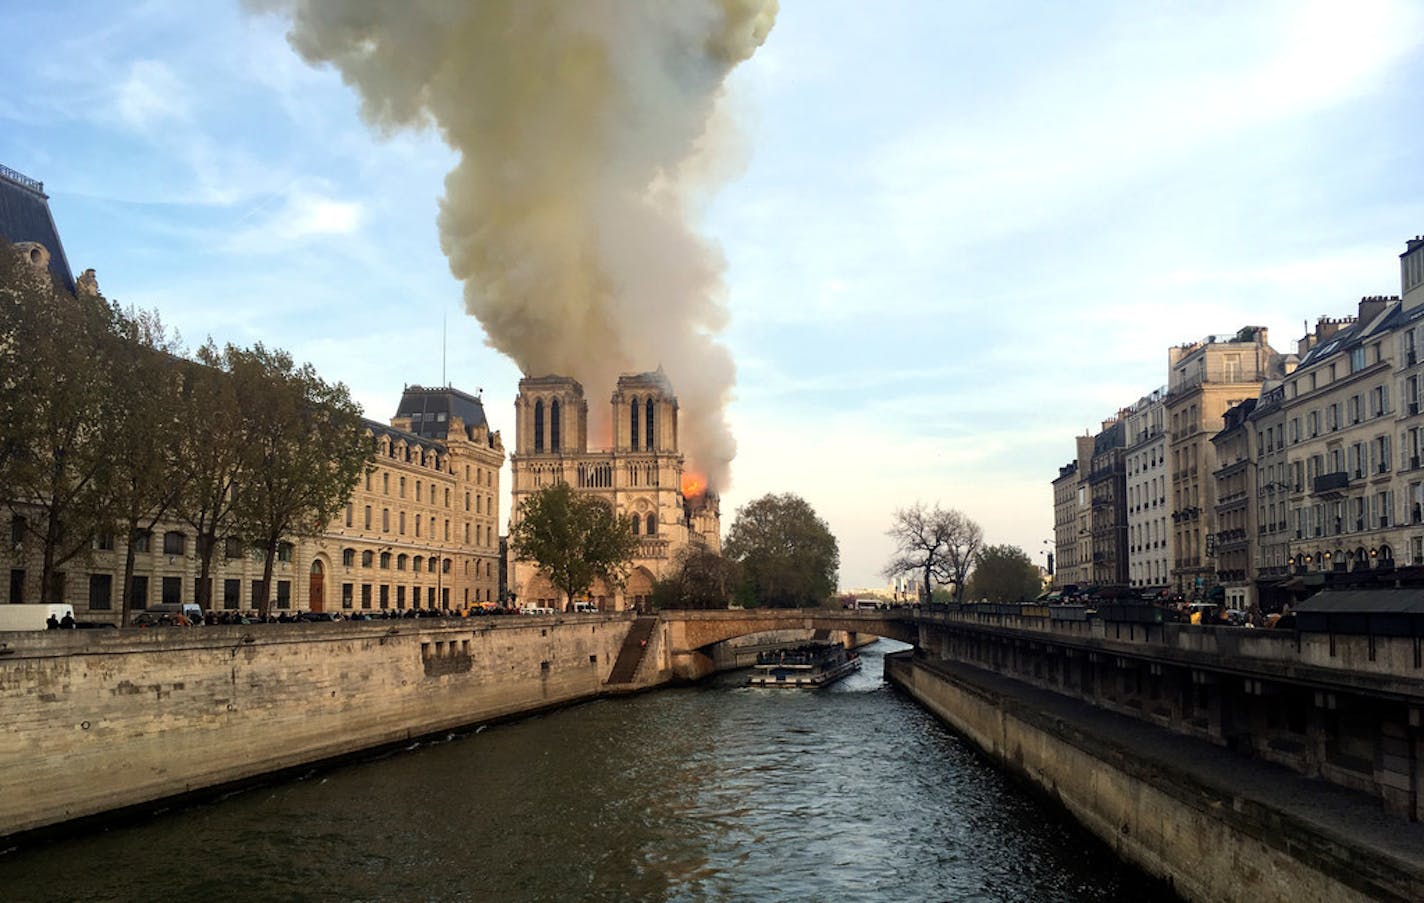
<point>718,792</point>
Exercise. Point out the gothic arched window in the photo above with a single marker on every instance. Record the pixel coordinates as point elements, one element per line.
<point>539,425</point>
<point>554,425</point>
<point>633,415</point>
<point>636,521</point>
<point>652,529</point>
<point>650,443</point>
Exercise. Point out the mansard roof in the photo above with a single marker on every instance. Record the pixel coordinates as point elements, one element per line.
<point>379,429</point>
<point>1356,334</point>
<point>431,409</point>
<point>25,216</point>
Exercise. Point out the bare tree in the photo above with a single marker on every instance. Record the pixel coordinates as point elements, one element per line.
<point>935,544</point>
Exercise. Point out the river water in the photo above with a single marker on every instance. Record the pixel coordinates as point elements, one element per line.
<point>717,792</point>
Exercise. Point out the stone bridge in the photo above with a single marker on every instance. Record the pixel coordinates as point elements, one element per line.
<point>688,635</point>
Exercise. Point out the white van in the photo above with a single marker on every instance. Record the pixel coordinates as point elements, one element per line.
<point>535,610</point>
<point>32,617</point>
<point>585,607</point>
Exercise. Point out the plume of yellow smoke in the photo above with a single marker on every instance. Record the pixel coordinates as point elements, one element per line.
<point>579,125</point>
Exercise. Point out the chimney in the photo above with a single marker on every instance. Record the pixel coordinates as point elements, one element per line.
<point>1371,307</point>
<point>1411,272</point>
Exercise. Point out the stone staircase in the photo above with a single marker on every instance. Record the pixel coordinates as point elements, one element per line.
<point>635,646</point>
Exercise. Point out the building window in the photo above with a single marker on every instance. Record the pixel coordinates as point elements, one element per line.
<point>172,590</point>
<point>284,551</point>
<point>1357,359</point>
<point>348,557</point>
<point>385,520</point>
<point>101,590</point>
<point>539,426</point>
<point>649,425</point>
<point>368,517</point>
<point>637,522</point>
<point>386,561</point>
<point>366,558</point>
<point>232,593</point>
<point>173,543</point>
<point>447,496</point>
<point>139,593</point>
<point>652,529</point>
<point>346,595</point>
<point>284,594</point>
<point>385,595</point>
<point>430,564</point>
<point>385,484</point>
<point>402,489</point>
<point>554,440</point>
<point>401,560</point>
<point>401,520</point>
<point>445,565</point>
<point>17,530</point>
<point>104,542</point>
<point>365,595</point>
<point>142,540</point>
<point>633,421</point>
<point>400,597</point>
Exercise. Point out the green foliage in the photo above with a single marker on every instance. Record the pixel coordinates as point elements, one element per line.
<point>146,483</point>
<point>787,556</point>
<point>1004,574</point>
<point>701,579</point>
<point>574,537</point>
<point>58,413</point>
<point>304,446</point>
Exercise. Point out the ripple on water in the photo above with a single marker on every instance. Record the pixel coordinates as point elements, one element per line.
<point>717,792</point>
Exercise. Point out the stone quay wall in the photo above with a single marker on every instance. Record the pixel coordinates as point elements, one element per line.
<point>103,720</point>
<point>1209,845</point>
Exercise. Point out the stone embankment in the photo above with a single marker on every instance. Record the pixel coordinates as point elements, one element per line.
<point>104,721</point>
<point>1218,825</point>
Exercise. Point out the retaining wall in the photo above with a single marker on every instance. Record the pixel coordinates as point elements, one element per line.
<point>1209,845</point>
<point>101,720</point>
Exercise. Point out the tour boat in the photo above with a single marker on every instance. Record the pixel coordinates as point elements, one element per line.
<point>809,665</point>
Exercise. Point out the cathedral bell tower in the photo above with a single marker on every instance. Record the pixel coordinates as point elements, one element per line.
<point>644,414</point>
<point>551,416</point>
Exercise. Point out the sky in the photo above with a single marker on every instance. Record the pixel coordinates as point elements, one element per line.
<point>956,234</point>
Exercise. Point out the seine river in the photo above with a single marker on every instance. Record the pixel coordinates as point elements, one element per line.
<point>718,792</point>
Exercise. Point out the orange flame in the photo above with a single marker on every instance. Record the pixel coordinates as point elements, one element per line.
<point>693,485</point>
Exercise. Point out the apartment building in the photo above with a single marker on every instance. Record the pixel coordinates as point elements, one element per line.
<point>1235,478</point>
<point>1206,378</point>
<point>1149,546</point>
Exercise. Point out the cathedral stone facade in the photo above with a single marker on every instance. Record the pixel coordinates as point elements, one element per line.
<point>641,476</point>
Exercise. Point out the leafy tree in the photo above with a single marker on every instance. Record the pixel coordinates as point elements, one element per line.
<point>57,413</point>
<point>305,447</point>
<point>788,556</point>
<point>211,457</point>
<point>701,579</point>
<point>574,538</point>
<point>1004,574</point>
<point>935,545</point>
<point>146,482</point>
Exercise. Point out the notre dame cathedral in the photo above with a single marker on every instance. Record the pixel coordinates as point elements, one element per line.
<point>641,476</point>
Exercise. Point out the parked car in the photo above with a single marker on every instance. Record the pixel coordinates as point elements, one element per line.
<point>314,616</point>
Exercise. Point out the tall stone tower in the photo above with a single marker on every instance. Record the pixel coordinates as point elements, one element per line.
<point>641,477</point>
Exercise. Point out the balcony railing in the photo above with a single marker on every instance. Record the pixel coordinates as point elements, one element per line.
<point>1331,483</point>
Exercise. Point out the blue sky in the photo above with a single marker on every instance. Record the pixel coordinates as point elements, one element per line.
<point>957,234</point>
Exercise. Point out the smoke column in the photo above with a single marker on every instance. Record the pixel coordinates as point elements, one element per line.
<point>585,129</point>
